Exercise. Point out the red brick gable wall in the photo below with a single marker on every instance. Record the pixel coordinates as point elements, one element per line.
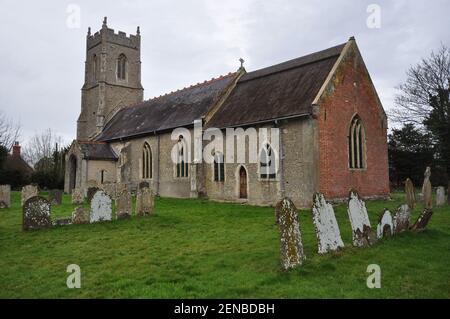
<point>351,93</point>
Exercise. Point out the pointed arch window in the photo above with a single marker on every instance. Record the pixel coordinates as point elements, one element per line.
<point>182,162</point>
<point>147,162</point>
<point>267,169</point>
<point>219,167</point>
<point>356,144</point>
<point>122,67</point>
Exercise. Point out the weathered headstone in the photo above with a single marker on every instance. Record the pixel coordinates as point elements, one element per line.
<point>327,229</point>
<point>124,205</point>
<point>77,196</point>
<point>290,237</point>
<point>410,193</point>
<point>80,216</point>
<point>55,196</point>
<point>145,202</point>
<point>110,189</point>
<point>36,213</point>
<point>401,219</point>
<point>29,191</point>
<point>359,220</point>
<point>440,196</point>
<point>427,190</point>
<point>91,192</point>
<point>100,207</point>
<point>385,227</point>
<point>423,220</point>
<point>5,196</point>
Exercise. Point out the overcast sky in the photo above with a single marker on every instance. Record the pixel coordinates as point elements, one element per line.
<point>42,50</point>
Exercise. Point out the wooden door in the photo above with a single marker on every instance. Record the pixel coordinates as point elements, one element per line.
<point>242,183</point>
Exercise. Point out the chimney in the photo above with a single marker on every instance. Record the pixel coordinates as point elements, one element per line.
<point>16,149</point>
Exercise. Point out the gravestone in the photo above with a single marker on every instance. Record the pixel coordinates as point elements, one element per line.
<point>440,196</point>
<point>359,220</point>
<point>5,196</point>
<point>385,227</point>
<point>110,189</point>
<point>80,216</point>
<point>290,237</point>
<point>401,219</point>
<point>410,194</point>
<point>427,190</point>
<point>55,196</point>
<point>90,193</point>
<point>422,220</point>
<point>145,202</point>
<point>100,207</point>
<point>327,229</point>
<point>124,205</point>
<point>36,213</point>
<point>28,191</point>
<point>77,196</point>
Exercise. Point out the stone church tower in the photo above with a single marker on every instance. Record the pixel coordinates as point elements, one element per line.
<point>112,78</point>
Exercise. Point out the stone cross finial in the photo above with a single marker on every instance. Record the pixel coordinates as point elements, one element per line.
<point>89,31</point>
<point>138,31</point>
<point>242,62</point>
<point>105,20</point>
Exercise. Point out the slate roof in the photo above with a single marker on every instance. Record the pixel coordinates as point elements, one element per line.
<point>97,151</point>
<point>169,111</point>
<point>283,90</point>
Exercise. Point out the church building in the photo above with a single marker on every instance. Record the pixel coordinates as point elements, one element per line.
<point>332,128</point>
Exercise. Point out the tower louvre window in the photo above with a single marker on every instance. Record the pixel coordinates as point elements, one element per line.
<point>122,67</point>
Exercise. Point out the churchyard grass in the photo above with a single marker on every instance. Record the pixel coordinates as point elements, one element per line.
<point>203,249</point>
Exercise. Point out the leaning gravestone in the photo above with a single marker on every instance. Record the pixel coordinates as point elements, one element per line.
<point>80,216</point>
<point>124,205</point>
<point>28,192</point>
<point>410,193</point>
<point>385,227</point>
<point>5,196</point>
<point>91,192</point>
<point>290,236</point>
<point>401,219</point>
<point>440,196</point>
<point>427,190</point>
<point>55,197</point>
<point>423,220</point>
<point>36,213</point>
<point>77,196</point>
<point>359,220</point>
<point>100,207</point>
<point>145,202</point>
<point>327,229</point>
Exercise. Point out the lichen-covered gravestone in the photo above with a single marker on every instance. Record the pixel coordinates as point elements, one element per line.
<point>80,216</point>
<point>77,196</point>
<point>5,196</point>
<point>423,220</point>
<point>440,196</point>
<point>427,190</point>
<point>401,219</point>
<point>145,202</point>
<point>123,204</point>
<point>290,237</point>
<point>110,189</point>
<point>91,192</point>
<point>410,193</point>
<point>359,220</point>
<point>100,207</point>
<point>385,227</point>
<point>327,229</point>
<point>29,191</point>
<point>36,213</point>
<point>55,197</point>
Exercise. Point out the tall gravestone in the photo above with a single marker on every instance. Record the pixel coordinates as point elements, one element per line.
<point>29,191</point>
<point>385,227</point>
<point>100,207</point>
<point>327,229</point>
<point>80,215</point>
<point>410,193</point>
<point>77,196</point>
<point>36,213</point>
<point>423,220</point>
<point>5,196</point>
<point>124,204</point>
<point>359,220</point>
<point>145,202</point>
<point>427,190</point>
<point>440,196</point>
<point>401,219</point>
<point>290,237</point>
<point>55,196</point>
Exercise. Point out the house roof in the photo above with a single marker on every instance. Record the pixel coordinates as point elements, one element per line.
<point>17,163</point>
<point>283,90</point>
<point>169,111</point>
<point>97,151</point>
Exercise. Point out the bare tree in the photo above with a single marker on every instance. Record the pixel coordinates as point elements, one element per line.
<point>9,131</point>
<point>41,147</point>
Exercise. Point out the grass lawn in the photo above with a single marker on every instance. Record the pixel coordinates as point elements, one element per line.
<point>203,249</point>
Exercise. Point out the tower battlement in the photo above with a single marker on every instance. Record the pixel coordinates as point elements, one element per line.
<point>109,35</point>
